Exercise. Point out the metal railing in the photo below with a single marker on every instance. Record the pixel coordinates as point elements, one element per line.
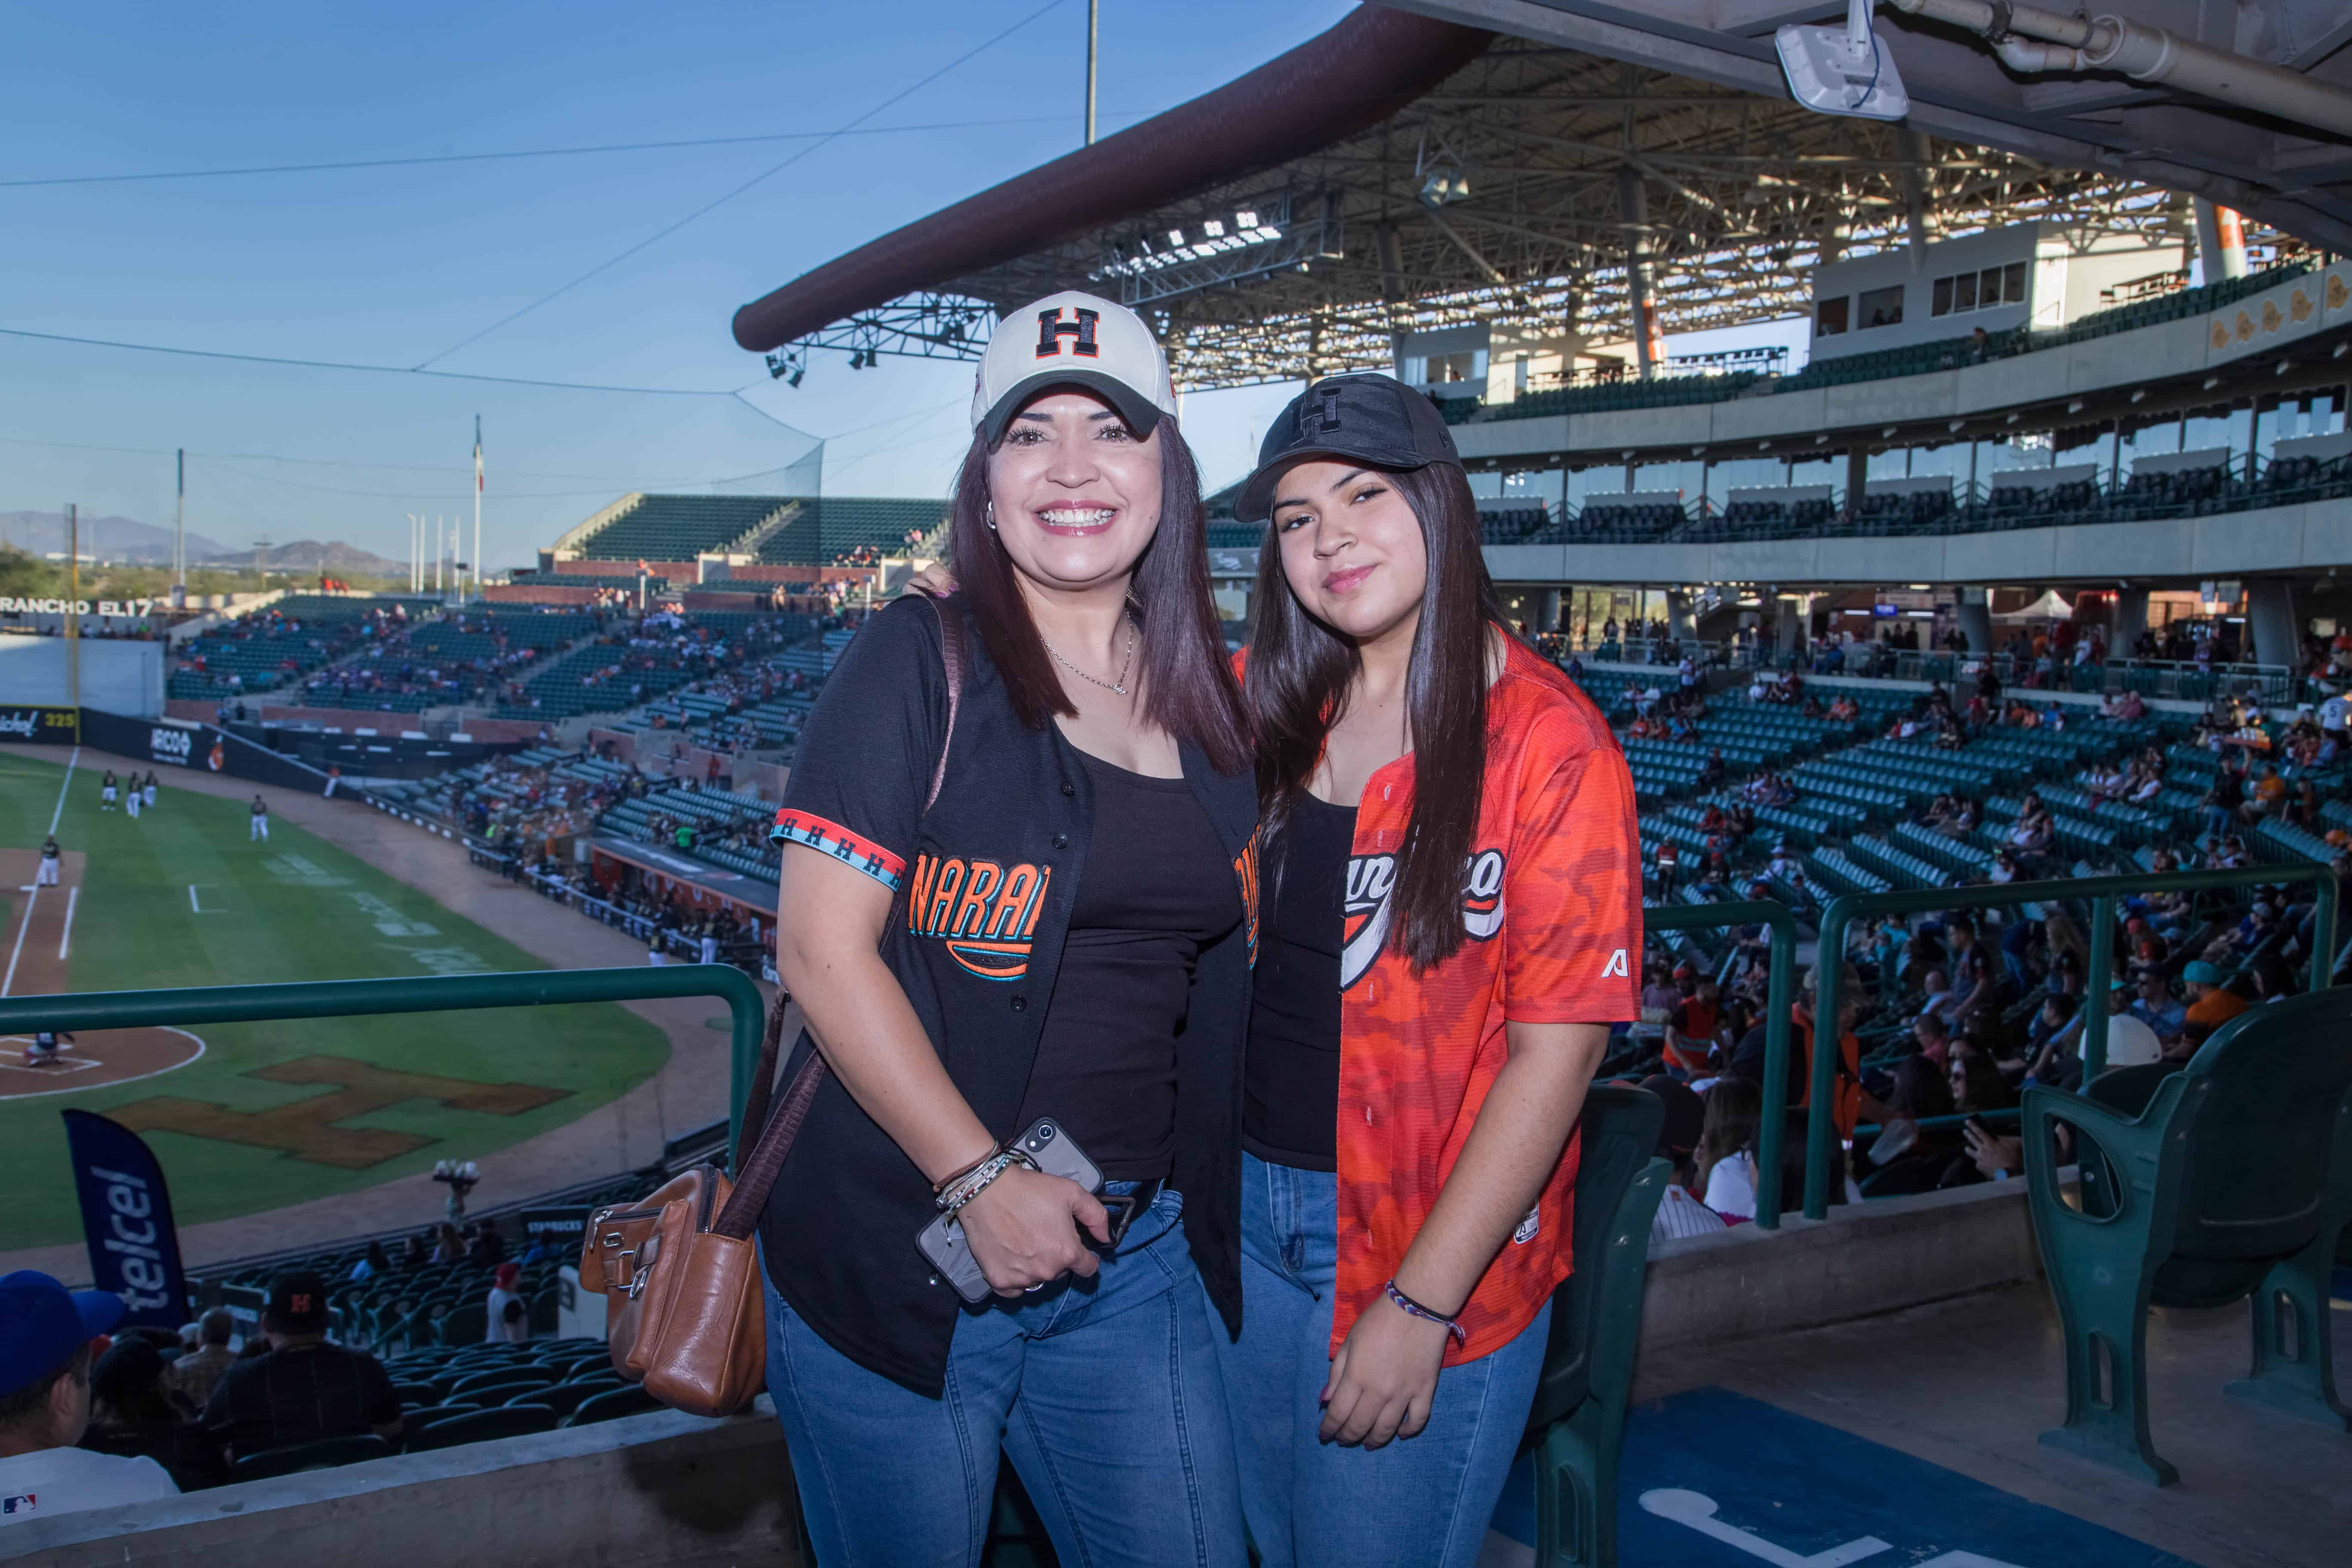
<point>1780,924</point>
<point>179,1007</point>
<point>2100,891</point>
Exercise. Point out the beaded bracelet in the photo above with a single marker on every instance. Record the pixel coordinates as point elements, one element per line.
<point>976,1182</point>
<point>1412,1308</point>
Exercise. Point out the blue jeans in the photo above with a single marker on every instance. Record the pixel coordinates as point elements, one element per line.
<point>1424,1500</point>
<point>1104,1393</point>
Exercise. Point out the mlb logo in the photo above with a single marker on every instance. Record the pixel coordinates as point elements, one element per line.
<point>16,1505</point>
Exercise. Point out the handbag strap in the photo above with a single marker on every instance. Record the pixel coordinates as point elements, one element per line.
<point>756,1168</point>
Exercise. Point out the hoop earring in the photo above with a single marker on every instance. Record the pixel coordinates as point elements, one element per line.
<point>992,515</point>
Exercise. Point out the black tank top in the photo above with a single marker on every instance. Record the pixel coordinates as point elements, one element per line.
<point>1155,890</point>
<point>1290,1073</point>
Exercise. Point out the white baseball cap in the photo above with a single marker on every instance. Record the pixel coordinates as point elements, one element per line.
<point>1072,340</point>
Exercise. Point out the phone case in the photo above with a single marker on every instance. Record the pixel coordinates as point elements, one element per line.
<point>941,1242</point>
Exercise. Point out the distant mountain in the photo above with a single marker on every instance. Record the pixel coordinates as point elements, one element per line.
<point>126,538</point>
<point>335,558</point>
<point>104,537</point>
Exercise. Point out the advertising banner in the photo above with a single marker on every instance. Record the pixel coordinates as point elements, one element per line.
<point>185,743</point>
<point>38,726</point>
<point>126,1215</point>
<point>561,1229</point>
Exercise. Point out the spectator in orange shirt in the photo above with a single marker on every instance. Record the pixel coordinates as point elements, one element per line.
<point>2211,1005</point>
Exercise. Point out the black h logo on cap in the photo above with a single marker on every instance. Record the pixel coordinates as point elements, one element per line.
<point>1052,330</point>
<point>1321,415</point>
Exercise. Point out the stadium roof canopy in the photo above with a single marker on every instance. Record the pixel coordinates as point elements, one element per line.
<point>1404,172</point>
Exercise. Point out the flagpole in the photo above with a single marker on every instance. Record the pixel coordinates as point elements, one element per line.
<point>478,506</point>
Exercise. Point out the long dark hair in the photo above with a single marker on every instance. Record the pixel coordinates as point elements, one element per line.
<point>1188,682</point>
<point>1297,681</point>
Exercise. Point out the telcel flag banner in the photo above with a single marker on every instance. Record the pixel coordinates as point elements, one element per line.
<point>126,1213</point>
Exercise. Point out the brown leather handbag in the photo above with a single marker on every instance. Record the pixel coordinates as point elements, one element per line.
<point>679,1271</point>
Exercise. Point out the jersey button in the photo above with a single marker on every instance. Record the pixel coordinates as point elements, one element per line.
<point>1069,789</point>
<point>1021,1004</point>
<point>1061,841</point>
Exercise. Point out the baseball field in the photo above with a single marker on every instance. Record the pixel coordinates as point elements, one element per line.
<point>250,1117</point>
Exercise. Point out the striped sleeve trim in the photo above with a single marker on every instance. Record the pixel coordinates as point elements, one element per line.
<point>834,839</point>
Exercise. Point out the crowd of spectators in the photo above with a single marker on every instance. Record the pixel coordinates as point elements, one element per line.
<point>416,665</point>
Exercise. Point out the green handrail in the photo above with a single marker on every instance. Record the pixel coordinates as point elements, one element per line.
<point>1780,979</point>
<point>2102,891</point>
<point>181,1006</point>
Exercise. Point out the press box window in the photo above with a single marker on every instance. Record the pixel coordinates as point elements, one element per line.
<point>1830,317</point>
<point>1979,290</point>
<point>1881,307</point>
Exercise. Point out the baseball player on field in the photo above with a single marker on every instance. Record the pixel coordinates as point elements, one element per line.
<point>149,790</point>
<point>48,875</point>
<point>261,831</point>
<point>48,1049</point>
<point>131,797</point>
<point>106,791</point>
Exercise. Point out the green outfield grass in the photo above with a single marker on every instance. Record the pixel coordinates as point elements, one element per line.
<point>293,908</point>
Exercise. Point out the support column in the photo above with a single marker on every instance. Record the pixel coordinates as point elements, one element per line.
<point>2270,618</point>
<point>1633,207</point>
<point>1974,612</point>
<point>1787,625</point>
<point>1548,610</point>
<point>1680,623</point>
<point>1912,148</point>
<point>1857,478</point>
<point>2130,621</point>
<point>2221,242</point>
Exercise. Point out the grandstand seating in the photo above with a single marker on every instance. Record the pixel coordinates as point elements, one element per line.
<point>1601,521</point>
<point>266,648</point>
<point>679,528</point>
<point>1511,525</point>
<point>1606,396</point>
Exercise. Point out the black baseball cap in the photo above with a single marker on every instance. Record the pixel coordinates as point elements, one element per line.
<point>296,1305</point>
<point>1372,418</point>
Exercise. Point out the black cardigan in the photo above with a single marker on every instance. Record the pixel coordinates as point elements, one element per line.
<point>839,1230</point>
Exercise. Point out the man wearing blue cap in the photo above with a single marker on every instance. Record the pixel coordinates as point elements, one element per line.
<point>46,1335</point>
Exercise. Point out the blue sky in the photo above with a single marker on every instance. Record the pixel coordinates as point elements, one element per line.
<point>397,266</point>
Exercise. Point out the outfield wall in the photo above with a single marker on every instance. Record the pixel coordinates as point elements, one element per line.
<point>117,674</point>
<point>182,744</point>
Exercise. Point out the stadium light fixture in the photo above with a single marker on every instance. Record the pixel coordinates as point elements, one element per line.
<point>1844,70</point>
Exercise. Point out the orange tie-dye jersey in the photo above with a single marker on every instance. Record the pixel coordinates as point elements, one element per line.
<point>1552,907</point>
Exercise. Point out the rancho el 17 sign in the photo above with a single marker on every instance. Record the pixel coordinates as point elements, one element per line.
<point>75,606</point>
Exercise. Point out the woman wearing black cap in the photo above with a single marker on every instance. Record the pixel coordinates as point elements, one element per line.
<point>1063,932</point>
<point>1451,920</point>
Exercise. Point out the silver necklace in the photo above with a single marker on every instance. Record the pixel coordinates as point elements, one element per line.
<point>1118,686</point>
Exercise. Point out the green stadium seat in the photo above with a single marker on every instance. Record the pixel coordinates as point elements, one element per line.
<point>2231,1178</point>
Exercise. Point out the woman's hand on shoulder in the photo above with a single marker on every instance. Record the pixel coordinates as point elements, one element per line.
<point>932,582</point>
<point>1024,1230</point>
<point>1384,1378</point>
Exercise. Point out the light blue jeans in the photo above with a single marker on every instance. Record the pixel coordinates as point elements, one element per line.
<point>1424,1500</point>
<point>1104,1393</point>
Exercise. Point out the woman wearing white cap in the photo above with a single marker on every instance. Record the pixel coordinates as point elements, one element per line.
<point>1064,930</point>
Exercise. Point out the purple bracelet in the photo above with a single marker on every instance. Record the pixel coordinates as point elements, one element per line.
<point>1412,1308</point>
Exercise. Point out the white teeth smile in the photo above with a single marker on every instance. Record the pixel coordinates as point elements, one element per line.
<point>1065,517</point>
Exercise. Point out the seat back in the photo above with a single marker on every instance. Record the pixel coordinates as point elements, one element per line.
<point>325,1453</point>
<point>2263,1144</point>
<point>627,1400</point>
<point>1619,1129</point>
<point>506,1421</point>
